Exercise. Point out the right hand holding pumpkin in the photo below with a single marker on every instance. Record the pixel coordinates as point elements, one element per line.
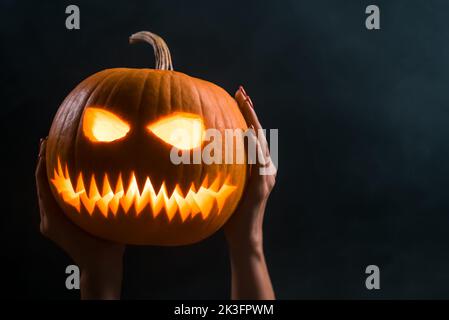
<point>244,228</point>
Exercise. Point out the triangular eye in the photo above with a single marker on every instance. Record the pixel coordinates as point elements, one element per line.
<point>183,130</point>
<point>100,125</point>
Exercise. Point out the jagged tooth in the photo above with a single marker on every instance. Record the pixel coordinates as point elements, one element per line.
<point>118,194</point>
<point>64,186</point>
<point>68,186</point>
<point>102,204</point>
<point>66,173</point>
<point>93,189</point>
<point>170,205</point>
<point>80,184</point>
<point>107,195</point>
<point>215,186</point>
<point>60,172</point>
<point>127,200</point>
<point>151,190</point>
<point>56,183</point>
<point>72,199</point>
<point>157,200</point>
<point>60,184</point>
<point>169,188</point>
<point>183,206</point>
<point>205,182</point>
<point>119,186</point>
<point>114,203</point>
<point>205,200</point>
<point>106,186</point>
<point>195,209</point>
<point>87,203</point>
<point>90,199</point>
<point>145,197</point>
<point>222,195</point>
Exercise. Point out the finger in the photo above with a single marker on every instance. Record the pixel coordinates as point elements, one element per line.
<point>240,97</point>
<point>41,170</point>
<point>251,145</point>
<point>46,199</point>
<point>263,150</point>
<point>40,165</point>
<point>261,153</point>
<point>247,108</point>
<point>250,115</point>
<point>254,174</point>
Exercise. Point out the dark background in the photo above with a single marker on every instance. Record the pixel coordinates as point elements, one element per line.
<point>363,130</point>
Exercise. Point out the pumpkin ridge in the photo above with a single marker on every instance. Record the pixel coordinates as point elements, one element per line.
<point>193,85</point>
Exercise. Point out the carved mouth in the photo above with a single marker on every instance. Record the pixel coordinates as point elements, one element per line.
<point>197,201</point>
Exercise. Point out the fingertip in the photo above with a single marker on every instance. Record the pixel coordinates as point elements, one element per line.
<point>239,90</point>
<point>42,147</point>
<point>240,98</point>
<point>250,102</point>
<point>41,167</point>
<point>243,91</point>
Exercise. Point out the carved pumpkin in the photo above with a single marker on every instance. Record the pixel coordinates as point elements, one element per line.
<point>108,154</point>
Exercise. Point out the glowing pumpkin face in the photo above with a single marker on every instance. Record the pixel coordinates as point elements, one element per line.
<point>108,155</point>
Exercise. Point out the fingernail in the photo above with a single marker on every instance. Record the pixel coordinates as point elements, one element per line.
<point>243,91</point>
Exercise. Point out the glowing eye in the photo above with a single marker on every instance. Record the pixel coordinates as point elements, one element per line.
<point>102,125</point>
<point>183,130</point>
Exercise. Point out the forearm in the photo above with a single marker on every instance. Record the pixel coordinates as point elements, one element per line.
<point>250,277</point>
<point>101,283</point>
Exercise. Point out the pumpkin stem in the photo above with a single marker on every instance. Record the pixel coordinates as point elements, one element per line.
<point>161,52</point>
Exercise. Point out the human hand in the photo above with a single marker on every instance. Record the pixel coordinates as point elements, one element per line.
<point>243,231</point>
<point>245,225</point>
<point>100,261</point>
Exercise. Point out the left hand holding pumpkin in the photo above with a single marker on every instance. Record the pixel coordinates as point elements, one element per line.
<point>93,256</point>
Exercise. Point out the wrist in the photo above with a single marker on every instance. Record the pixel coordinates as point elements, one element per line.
<point>250,245</point>
<point>102,258</point>
<point>102,279</point>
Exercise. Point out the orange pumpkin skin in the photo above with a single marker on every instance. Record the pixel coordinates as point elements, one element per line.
<point>140,97</point>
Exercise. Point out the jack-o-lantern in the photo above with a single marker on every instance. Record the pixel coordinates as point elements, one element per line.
<point>108,154</point>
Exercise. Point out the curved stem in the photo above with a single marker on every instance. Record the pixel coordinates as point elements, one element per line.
<point>161,52</point>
